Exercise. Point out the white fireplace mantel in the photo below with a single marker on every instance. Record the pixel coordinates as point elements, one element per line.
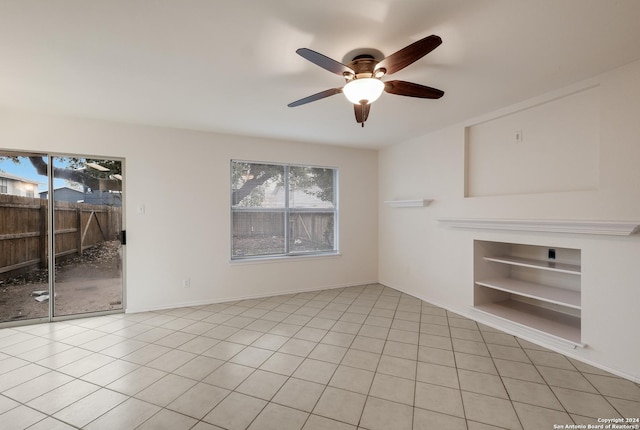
<point>613,228</point>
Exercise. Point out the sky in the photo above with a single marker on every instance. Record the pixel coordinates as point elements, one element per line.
<point>26,170</point>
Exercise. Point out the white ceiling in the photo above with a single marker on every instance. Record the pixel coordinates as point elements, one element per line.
<point>230,65</point>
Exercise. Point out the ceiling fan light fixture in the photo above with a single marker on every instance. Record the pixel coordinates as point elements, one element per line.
<point>367,89</point>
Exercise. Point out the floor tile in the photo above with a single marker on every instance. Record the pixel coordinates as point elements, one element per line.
<point>21,417</point>
<point>198,368</point>
<point>352,379</point>
<point>299,394</point>
<point>261,384</point>
<point>251,356</point>
<point>400,349</point>
<point>244,337</point>
<point>62,396</point>
<point>482,383</point>
<point>439,399</point>
<point>126,416</point>
<point>50,424</point>
<point>278,417</point>
<point>615,387</point>
<point>168,420</point>
<point>199,400</point>
<point>428,420</point>
<point>269,341</point>
<point>368,344</point>
<point>392,388</point>
<point>330,353</point>
<point>381,414</point>
<point>90,407</point>
<point>136,381</point>
<point>438,375</point>
<point>395,366</point>
<point>37,386</point>
<point>235,412</point>
<point>549,359</point>
<point>298,347</point>
<point>284,364</point>
<point>531,393</point>
<point>565,379</point>
<point>165,390</point>
<point>340,405</point>
<point>316,422</point>
<point>436,356</point>
<point>536,417</point>
<point>7,404</point>
<point>21,375</point>
<point>404,336</point>
<point>171,360</point>
<point>315,371</point>
<point>508,353</point>
<point>516,370</point>
<point>361,359</point>
<point>490,410</point>
<point>338,339</point>
<point>587,404</point>
<point>224,350</point>
<point>229,375</point>
<point>475,362</point>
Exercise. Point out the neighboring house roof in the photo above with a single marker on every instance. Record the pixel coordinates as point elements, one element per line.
<point>17,178</point>
<point>62,188</point>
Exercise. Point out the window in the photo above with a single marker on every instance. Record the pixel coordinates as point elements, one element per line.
<point>4,187</point>
<point>280,210</point>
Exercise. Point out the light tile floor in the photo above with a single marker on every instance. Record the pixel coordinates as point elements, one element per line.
<point>364,357</point>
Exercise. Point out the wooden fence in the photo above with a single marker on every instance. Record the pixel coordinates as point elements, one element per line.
<point>312,227</point>
<point>23,231</point>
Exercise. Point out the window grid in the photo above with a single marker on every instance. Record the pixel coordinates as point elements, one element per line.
<point>318,223</point>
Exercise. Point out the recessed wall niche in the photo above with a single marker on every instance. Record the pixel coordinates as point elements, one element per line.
<point>548,147</point>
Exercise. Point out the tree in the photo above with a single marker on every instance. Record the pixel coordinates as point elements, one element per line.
<point>249,178</point>
<point>77,171</point>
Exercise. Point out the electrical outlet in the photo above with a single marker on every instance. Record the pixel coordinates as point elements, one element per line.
<point>518,136</point>
<point>186,283</point>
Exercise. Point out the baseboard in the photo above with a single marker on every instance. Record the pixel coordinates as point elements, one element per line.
<point>247,297</point>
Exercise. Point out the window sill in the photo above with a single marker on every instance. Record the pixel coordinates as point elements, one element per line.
<point>283,258</point>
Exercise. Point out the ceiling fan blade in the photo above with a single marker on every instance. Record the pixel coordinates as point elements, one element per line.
<point>362,112</point>
<point>317,96</point>
<point>403,88</point>
<point>409,54</point>
<point>325,62</point>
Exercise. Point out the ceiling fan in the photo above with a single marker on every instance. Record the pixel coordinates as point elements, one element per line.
<point>364,76</point>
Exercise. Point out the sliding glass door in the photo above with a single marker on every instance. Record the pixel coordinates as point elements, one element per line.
<point>65,213</point>
<point>87,226</point>
<point>24,256</point>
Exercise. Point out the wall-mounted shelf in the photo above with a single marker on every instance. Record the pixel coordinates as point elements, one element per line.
<point>552,266</point>
<point>408,203</point>
<point>614,228</point>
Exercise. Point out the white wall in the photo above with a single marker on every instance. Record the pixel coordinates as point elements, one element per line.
<point>423,258</point>
<point>182,178</point>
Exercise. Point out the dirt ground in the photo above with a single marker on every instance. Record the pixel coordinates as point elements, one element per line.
<point>87,283</point>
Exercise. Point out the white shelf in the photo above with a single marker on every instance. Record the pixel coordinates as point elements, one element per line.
<point>614,228</point>
<point>562,326</point>
<point>572,269</point>
<point>558,296</point>
<point>408,203</point>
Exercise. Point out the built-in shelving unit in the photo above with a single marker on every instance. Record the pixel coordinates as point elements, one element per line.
<point>521,284</point>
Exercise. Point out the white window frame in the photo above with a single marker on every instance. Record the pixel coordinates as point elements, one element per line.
<point>288,211</point>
